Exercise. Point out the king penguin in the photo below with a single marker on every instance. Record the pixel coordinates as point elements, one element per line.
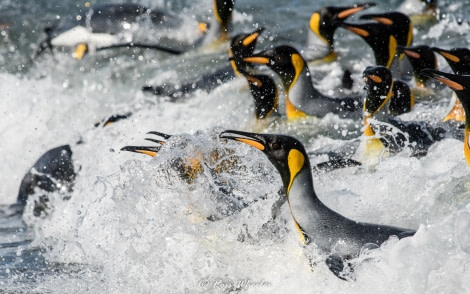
<point>339,237</point>
<point>398,23</point>
<point>301,96</point>
<point>52,172</point>
<point>323,24</point>
<point>459,60</point>
<point>265,94</point>
<point>420,57</point>
<point>379,37</point>
<point>460,84</point>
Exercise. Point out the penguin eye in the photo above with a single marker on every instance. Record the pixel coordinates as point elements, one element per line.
<point>276,146</point>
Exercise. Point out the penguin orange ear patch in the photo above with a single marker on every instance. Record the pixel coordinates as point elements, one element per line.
<point>375,78</point>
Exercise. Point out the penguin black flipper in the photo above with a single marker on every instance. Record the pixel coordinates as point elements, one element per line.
<point>53,171</point>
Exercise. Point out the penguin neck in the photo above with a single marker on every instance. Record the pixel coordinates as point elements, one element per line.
<point>318,48</point>
<point>300,94</point>
<point>305,207</point>
<point>466,147</point>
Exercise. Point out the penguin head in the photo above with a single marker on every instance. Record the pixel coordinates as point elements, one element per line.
<point>399,24</point>
<point>243,45</point>
<point>379,38</point>
<point>285,61</point>
<point>457,58</point>
<point>460,84</point>
<point>378,81</point>
<point>326,20</point>
<point>286,153</point>
<point>420,57</point>
<point>264,91</point>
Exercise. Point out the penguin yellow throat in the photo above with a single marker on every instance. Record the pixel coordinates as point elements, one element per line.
<point>373,145</point>
<point>292,111</point>
<point>296,161</point>
<point>457,113</point>
<point>466,147</point>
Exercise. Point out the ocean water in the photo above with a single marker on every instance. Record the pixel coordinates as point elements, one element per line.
<point>134,224</point>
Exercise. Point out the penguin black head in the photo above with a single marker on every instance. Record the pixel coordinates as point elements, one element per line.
<point>264,91</point>
<point>286,153</point>
<point>420,57</point>
<point>458,59</point>
<point>399,24</point>
<point>379,38</point>
<point>286,61</point>
<point>460,84</point>
<point>378,81</point>
<point>326,20</point>
<point>243,45</point>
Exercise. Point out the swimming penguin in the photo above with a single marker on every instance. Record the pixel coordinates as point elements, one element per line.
<point>339,237</point>
<point>323,24</point>
<point>241,45</point>
<point>114,25</point>
<point>301,96</point>
<point>417,135</point>
<point>53,172</point>
<point>460,84</point>
<point>420,57</point>
<point>380,39</point>
<point>459,60</point>
<point>190,167</point>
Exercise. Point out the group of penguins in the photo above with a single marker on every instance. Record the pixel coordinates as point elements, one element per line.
<point>389,34</point>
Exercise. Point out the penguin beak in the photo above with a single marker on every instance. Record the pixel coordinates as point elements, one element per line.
<point>264,57</point>
<point>252,139</point>
<point>148,150</point>
<point>447,79</point>
<point>352,10</point>
<point>252,37</point>
<point>446,54</point>
<point>408,52</point>
<point>378,18</point>
<point>356,29</point>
